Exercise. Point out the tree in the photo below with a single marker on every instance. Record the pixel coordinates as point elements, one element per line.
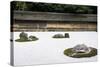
<point>51,7</point>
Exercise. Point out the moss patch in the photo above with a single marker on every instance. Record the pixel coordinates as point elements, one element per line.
<point>27,40</point>
<point>19,40</point>
<point>70,53</point>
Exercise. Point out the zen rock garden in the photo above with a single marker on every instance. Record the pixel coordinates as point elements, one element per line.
<point>24,37</point>
<point>80,51</point>
<point>66,35</point>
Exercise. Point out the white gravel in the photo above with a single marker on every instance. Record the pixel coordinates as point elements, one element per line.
<point>47,50</point>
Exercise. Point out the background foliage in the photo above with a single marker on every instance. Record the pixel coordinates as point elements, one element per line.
<point>52,7</point>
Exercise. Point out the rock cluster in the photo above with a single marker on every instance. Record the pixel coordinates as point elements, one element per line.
<point>80,51</point>
<point>24,37</point>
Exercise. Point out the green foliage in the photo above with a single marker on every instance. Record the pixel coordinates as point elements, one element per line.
<point>70,53</point>
<point>52,7</point>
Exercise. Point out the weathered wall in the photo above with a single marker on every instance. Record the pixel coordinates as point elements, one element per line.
<point>42,21</point>
<point>50,16</point>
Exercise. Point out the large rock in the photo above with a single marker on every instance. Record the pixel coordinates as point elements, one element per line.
<point>66,35</point>
<point>80,51</point>
<point>81,48</point>
<point>23,36</point>
<point>58,36</point>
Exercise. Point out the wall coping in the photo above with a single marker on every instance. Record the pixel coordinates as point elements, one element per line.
<point>52,16</point>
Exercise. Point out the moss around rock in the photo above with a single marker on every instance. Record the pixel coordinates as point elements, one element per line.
<point>24,38</point>
<point>20,40</point>
<point>61,35</point>
<point>69,52</point>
